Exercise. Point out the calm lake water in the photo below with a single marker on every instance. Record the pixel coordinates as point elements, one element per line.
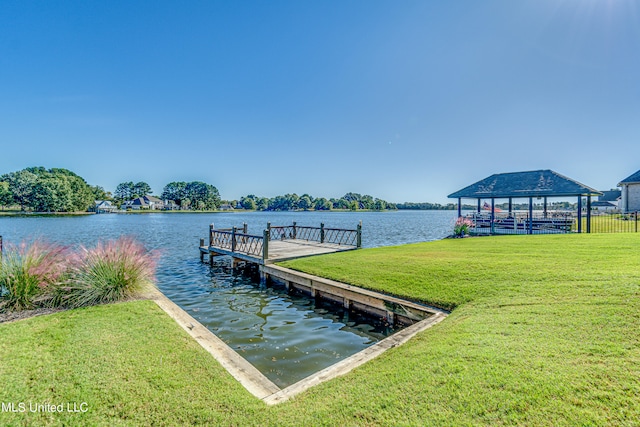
<point>286,337</point>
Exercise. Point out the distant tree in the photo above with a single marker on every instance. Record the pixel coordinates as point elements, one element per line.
<point>304,203</point>
<point>322,204</point>
<point>124,191</point>
<point>262,203</point>
<point>51,194</point>
<point>199,191</point>
<point>49,190</point>
<point>21,186</point>
<point>174,191</point>
<point>140,189</point>
<point>6,198</point>
<point>99,193</point>
<point>249,202</point>
<point>379,205</point>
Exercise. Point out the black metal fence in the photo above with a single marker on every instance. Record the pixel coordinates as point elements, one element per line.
<point>552,223</point>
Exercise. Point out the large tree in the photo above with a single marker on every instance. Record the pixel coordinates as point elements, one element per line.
<point>124,191</point>
<point>21,186</point>
<point>49,190</point>
<point>141,189</point>
<point>6,198</point>
<point>198,194</point>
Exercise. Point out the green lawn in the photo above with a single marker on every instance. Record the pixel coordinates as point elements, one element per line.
<point>545,331</point>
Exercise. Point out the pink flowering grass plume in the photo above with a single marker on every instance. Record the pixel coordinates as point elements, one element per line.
<point>109,272</point>
<point>29,273</point>
<point>462,226</point>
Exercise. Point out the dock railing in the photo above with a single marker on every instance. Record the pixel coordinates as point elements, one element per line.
<point>322,234</point>
<point>236,239</point>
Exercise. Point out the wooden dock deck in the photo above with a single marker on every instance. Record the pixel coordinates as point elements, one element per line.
<point>279,243</point>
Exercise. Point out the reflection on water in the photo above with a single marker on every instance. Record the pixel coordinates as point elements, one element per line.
<point>287,337</point>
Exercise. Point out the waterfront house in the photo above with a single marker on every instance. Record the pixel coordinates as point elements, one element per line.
<point>608,202</point>
<point>145,202</point>
<point>102,206</point>
<point>630,193</point>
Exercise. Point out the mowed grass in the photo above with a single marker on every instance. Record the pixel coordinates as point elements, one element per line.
<point>545,330</point>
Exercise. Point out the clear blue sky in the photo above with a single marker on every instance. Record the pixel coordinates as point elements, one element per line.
<point>403,100</point>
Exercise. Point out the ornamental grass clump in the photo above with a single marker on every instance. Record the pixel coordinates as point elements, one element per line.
<point>28,273</point>
<point>112,271</point>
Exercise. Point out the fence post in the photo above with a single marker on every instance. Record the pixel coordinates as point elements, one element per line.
<point>322,232</point>
<point>233,239</point>
<point>588,214</point>
<point>295,233</point>
<point>359,237</point>
<point>211,234</point>
<point>635,217</point>
<point>265,245</point>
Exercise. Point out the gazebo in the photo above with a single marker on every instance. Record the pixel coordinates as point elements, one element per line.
<point>526,185</point>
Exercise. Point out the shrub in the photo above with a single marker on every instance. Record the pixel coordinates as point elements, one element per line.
<point>110,272</point>
<point>461,227</point>
<point>29,272</point>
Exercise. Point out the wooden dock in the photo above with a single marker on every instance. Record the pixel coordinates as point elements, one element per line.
<point>279,243</point>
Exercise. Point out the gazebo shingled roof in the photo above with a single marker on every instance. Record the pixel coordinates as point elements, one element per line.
<point>540,183</point>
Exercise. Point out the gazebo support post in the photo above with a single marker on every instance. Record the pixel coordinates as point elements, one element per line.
<point>589,214</point>
<point>545,206</point>
<point>493,214</point>
<point>530,231</point>
<point>479,204</point>
<point>510,206</point>
<point>579,214</point>
<point>459,207</point>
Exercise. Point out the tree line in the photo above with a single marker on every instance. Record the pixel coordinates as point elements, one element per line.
<point>287,202</point>
<point>46,190</point>
<point>60,190</point>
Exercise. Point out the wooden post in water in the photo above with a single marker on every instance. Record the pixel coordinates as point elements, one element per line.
<point>211,234</point>
<point>322,232</point>
<point>244,228</point>
<point>359,237</point>
<point>201,245</point>
<point>0,248</point>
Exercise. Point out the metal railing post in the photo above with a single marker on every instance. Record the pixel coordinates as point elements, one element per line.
<point>269,228</point>
<point>233,239</point>
<point>295,233</point>
<point>359,236</point>
<point>322,232</point>
<point>265,244</point>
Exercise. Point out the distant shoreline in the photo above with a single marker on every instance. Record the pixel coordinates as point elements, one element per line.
<point>150,211</point>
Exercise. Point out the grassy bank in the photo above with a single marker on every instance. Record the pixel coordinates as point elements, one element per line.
<point>544,331</point>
